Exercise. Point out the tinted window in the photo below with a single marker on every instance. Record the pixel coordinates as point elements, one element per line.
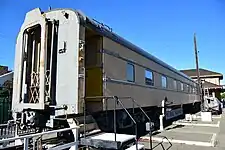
<point>130,72</point>
<point>187,88</point>
<point>193,90</point>
<point>175,84</point>
<point>164,82</point>
<point>149,77</point>
<point>190,89</point>
<point>181,86</point>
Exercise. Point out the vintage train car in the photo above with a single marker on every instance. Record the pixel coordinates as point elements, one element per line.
<point>63,57</point>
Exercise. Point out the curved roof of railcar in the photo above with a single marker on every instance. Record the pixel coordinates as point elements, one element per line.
<point>104,31</point>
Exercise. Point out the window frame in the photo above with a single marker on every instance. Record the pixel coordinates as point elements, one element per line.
<point>133,72</point>
<point>181,86</point>
<point>175,84</point>
<point>164,77</point>
<point>152,77</point>
<point>187,88</point>
<point>190,89</point>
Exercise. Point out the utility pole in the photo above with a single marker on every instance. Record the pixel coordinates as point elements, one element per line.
<point>197,72</point>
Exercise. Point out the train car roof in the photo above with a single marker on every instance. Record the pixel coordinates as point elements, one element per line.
<point>107,31</point>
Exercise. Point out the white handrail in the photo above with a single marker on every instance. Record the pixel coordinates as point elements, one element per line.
<point>37,134</point>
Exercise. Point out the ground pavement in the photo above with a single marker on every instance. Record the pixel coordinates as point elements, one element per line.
<point>195,135</point>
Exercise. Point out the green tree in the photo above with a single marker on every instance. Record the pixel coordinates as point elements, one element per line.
<point>222,95</point>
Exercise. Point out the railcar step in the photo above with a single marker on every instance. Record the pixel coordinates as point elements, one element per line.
<point>90,133</point>
<point>90,124</point>
<point>88,119</point>
<point>107,140</point>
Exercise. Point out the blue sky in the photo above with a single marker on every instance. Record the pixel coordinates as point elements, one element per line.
<point>161,27</point>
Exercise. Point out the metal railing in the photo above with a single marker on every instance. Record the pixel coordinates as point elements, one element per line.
<point>136,134</point>
<point>116,101</point>
<point>135,102</point>
<point>7,130</point>
<point>26,138</point>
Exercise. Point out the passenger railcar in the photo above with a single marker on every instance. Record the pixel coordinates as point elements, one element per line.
<point>63,55</point>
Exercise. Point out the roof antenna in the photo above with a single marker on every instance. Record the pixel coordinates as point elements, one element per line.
<point>49,8</point>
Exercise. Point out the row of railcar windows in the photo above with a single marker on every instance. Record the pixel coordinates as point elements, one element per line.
<point>149,80</point>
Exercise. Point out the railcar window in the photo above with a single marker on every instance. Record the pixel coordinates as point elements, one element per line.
<point>194,92</point>
<point>175,84</point>
<point>188,88</point>
<point>149,77</point>
<point>130,72</point>
<point>181,86</point>
<point>164,82</point>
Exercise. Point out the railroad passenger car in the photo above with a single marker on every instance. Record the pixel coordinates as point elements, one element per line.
<point>63,57</point>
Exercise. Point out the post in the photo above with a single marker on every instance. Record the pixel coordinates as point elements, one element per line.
<point>18,141</point>
<point>162,116</point>
<point>114,114</point>
<point>25,146</point>
<point>163,107</point>
<point>72,124</point>
<point>75,134</point>
<point>161,122</point>
<point>197,72</point>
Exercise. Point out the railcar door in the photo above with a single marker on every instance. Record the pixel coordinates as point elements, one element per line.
<point>93,73</point>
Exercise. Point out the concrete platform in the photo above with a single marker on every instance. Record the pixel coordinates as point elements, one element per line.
<point>186,135</point>
<point>174,146</point>
<point>189,138</point>
<point>215,123</point>
<point>213,116</point>
<point>192,129</point>
<point>107,140</point>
